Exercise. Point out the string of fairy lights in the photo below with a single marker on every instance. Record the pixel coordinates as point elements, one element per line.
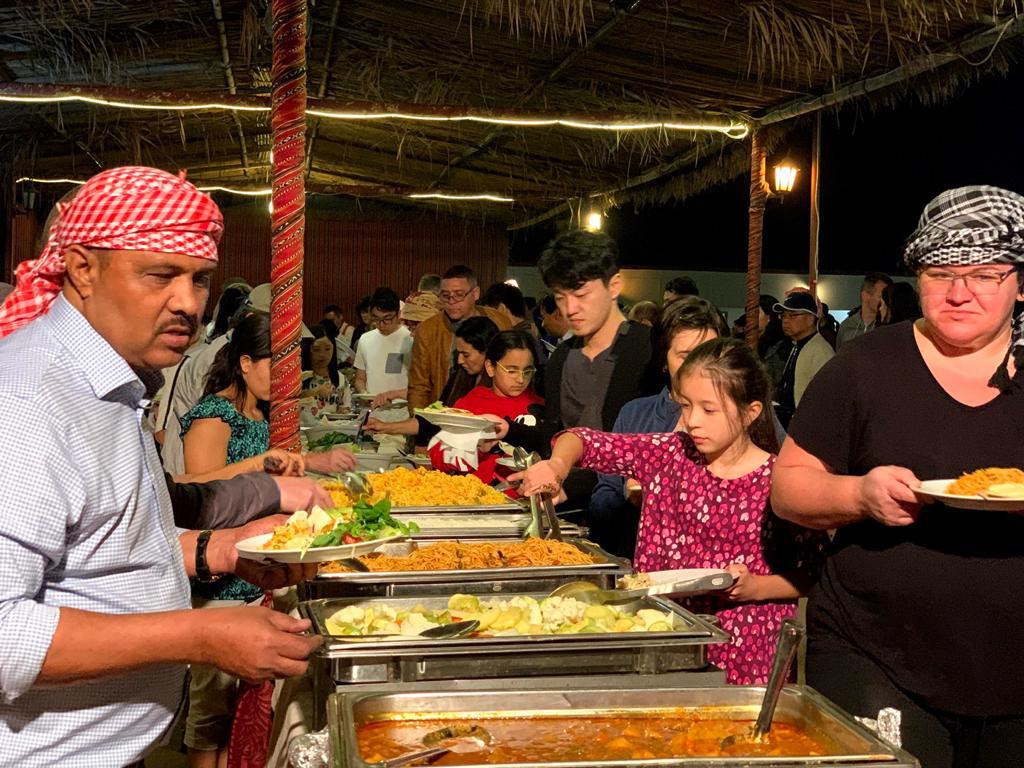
<point>732,129</point>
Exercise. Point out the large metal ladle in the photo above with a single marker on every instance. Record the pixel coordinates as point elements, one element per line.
<point>453,738</point>
<point>790,635</point>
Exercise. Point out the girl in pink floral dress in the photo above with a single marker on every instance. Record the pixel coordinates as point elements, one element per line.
<point>706,500</point>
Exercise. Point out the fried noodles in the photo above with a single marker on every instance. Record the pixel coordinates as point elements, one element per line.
<point>468,556</point>
<point>422,488</point>
<point>978,482</point>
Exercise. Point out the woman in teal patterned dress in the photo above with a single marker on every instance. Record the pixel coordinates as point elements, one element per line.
<point>225,434</point>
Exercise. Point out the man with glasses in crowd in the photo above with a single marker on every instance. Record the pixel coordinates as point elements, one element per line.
<point>382,358</point>
<point>433,351</point>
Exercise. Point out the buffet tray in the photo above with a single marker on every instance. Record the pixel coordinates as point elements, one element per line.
<point>800,706</point>
<point>513,531</point>
<point>605,561</point>
<point>353,659</point>
<point>483,581</point>
<point>510,506</point>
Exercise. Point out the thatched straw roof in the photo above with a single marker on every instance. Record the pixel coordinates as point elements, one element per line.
<point>713,60</point>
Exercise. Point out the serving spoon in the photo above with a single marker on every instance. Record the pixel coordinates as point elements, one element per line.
<point>790,635</point>
<point>441,632</point>
<point>457,738</point>
<point>354,483</point>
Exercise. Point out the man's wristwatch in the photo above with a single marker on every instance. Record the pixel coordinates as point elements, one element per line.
<point>203,573</point>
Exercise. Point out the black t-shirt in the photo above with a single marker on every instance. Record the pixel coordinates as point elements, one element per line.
<point>939,604</point>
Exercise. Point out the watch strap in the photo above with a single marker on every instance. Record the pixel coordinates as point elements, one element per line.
<point>202,567</point>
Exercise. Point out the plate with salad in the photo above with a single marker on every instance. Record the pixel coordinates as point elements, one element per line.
<point>328,534</point>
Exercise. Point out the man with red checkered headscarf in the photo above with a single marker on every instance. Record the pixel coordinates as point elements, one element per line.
<point>95,626</point>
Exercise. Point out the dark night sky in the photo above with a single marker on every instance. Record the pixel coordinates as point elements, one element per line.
<point>879,168</point>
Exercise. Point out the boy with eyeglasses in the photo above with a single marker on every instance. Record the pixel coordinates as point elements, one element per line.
<point>382,358</point>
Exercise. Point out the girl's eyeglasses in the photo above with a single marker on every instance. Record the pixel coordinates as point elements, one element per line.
<point>525,373</point>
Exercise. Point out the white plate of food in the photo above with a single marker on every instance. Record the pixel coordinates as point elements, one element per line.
<point>1007,496</point>
<point>333,529</point>
<point>456,419</point>
<point>252,549</point>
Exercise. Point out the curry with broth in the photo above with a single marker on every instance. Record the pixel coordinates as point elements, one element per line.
<point>556,738</point>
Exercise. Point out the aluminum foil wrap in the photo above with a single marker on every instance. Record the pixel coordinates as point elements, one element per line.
<point>887,725</point>
<point>310,750</point>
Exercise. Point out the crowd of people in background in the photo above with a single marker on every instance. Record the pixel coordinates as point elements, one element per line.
<point>656,429</point>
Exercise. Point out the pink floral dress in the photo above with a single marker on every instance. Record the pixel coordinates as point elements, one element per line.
<point>693,519</point>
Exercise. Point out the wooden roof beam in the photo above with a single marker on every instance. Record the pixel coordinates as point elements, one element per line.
<point>229,78</point>
<point>981,41</point>
<point>495,133</point>
<point>174,100</point>
<point>325,77</point>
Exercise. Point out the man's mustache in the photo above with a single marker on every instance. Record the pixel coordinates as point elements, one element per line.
<point>185,323</point>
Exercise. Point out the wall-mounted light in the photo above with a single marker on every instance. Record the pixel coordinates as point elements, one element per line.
<point>785,176</point>
<point>594,221</point>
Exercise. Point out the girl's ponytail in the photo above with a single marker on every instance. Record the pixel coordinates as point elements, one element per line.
<point>738,374</point>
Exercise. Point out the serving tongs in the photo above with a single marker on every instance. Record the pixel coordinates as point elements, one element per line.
<point>458,738</point>
<point>538,502</point>
<point>590,593</point>
<point>354,483</point>
<point>790,635</point>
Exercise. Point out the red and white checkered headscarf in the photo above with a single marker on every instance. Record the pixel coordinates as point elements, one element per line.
<point>123,209</point>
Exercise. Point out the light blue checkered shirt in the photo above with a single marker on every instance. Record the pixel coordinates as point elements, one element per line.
<point>85,522</point>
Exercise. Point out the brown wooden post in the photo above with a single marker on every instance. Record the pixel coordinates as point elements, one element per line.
<point>758,200</point>
<point>812,268</point>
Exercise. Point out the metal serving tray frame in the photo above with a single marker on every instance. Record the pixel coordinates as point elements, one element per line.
<point>514,532</point>
<point>798,705</point>
<point>447,509</point>
<point>483,581</point>
<point>353,659</point>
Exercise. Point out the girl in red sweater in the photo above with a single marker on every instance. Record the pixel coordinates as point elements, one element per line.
<point>509,363</point>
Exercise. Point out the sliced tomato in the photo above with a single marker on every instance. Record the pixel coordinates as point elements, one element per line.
<point>348,538</point>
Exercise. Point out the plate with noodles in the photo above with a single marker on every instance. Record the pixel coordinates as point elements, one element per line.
<point>992,489</point>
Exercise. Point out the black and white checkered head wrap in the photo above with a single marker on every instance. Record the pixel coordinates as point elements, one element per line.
<point>971,226</point>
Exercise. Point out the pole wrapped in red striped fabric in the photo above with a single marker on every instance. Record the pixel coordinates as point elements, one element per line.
<point>288,219</point>
<point>250,731</point>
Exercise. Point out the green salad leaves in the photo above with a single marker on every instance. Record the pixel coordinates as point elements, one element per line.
<point>328,441</point>
<point>363,522</point>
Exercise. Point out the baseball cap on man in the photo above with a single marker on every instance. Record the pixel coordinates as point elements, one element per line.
<point>259,299</point>
<point>798,302</point>
<point>420,306</point>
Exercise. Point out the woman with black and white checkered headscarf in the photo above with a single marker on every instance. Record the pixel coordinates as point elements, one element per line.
<point>917,603</point>
<point>968,243</point>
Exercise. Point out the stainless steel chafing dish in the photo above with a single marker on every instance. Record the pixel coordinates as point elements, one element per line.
<point>853,744</point>
<point>483,581</point>
<point>510,506</point>
<point>467,525</point>
<point>352,659</point>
